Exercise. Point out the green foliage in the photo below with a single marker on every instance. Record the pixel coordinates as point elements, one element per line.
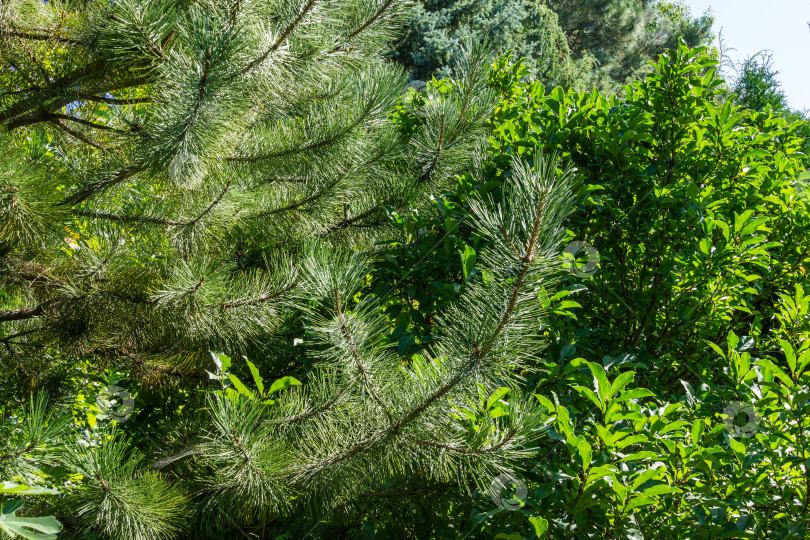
<point>698,211</point>
<point>757,87</point>
<point>189,177</point>
<point>438,30</point>
<point>13,525</point>
<point>692,204</point>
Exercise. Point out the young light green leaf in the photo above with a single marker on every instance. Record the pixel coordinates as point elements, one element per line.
<point>256,377</point>
<point>790,355</point>
<point>282,384</point>
<point>540,525</point>
<point>600,381</point>
<point>19,489</point>
<point>241,388</point>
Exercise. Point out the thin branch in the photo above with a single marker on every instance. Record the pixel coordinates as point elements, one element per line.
<point>318,194</point>
<point>313,146</point>
<point>76,135</point>
<point>38,37</point>
<point>83,122</point>
<point>125,219</point>
<point>21,313</point>
<point>261,299</point>
<point>307,8</point>
<point>435,162</point>
<point>211,206</point>
<point>342,224</point>
<point>358,360</point>
<point>467,451</point>
<point>112,101</point>
<point>367,24</point>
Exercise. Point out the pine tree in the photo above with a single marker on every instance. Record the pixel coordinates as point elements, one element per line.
<point>188,177</point>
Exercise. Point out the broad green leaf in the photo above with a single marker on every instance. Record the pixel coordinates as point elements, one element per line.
<point>790,355</point>
<point>496,396</point>
<point>222,361</point>
<point>660,489</point>
<point>46,527</point>
<point>467,260</point>
<point>256,377</point>
<point>584,451</point>
<point>635,393</point>
<point>779,372</point>
<point>600,381</point>
<point>241,388</point>
<point>540,525</point>
<point>621,381</point>
<point>19,489</point>
<point>648,474</point>
<point>588,393</point>
<point>282,384</point>
<point>697,430</point>
<point>639,501</point>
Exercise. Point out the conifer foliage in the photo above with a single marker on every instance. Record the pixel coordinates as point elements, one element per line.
<point>188,177</point>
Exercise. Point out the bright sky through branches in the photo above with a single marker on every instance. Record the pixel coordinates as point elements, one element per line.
<point>750,26</point>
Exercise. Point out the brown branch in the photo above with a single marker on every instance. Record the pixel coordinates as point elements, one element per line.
<point>318,194</point>
<point>410,493</point>
<point>467,451</point>
<point>95,187</point>
<point>21,451</point>
<point>112,101</point>
<point>371,21</point>
<point>342,224</point>
<point>76,135</point>
<point>82,121</point>
<point>38,37</point>
<point>21,313</point>
<point>211,206</point>
<point>318,410</point>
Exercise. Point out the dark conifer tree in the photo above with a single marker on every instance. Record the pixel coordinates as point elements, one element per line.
<point>187,177</point>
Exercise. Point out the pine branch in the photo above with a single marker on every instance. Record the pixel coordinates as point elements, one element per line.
<point>22,314</point>
<point>467,451</point>
<point>439,146</point>
<point>371,21</point>
<point>113,101</point>
<point>261,299</point>
<point>312,146</point>
<point>76,135</point>
<point>322,191</point>
<point>358,360</point>
<point>127,219</point>
<point>349,222</point>
<point>282,38</point>
<point>37,37</point>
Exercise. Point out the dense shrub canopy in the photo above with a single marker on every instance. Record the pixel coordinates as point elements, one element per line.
<point>698,214</point>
